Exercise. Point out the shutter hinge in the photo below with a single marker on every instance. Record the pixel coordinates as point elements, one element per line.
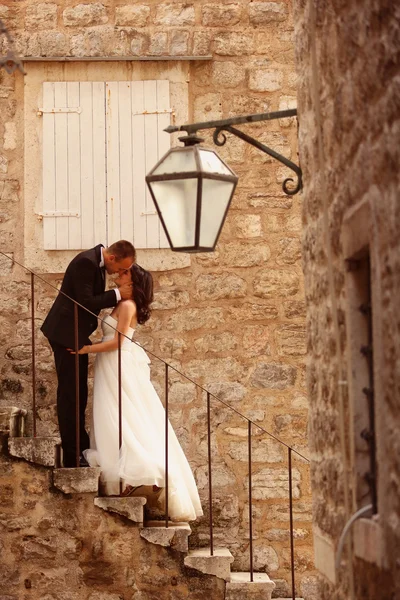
<point>153,112</point>
<point>64,109</point>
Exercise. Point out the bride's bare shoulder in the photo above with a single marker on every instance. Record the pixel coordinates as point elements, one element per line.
<point>127,307</point>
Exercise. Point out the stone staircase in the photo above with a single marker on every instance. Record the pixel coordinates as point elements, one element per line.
<point>45,452</point>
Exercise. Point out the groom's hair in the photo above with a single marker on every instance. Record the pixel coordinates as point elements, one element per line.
<point>122,249</point>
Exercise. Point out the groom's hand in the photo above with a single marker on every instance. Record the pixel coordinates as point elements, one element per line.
<point>126,291</point>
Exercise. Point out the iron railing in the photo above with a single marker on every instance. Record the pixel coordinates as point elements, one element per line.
<point>209,395</point>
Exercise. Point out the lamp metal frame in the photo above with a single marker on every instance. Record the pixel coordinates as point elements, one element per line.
<point>200,175</point>
<point>226,125</point>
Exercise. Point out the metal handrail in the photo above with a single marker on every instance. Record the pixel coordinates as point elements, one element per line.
<point>159,358</point>
<point>250,423</point>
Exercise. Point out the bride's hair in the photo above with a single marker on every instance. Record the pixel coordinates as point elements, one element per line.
<point>142,294</point>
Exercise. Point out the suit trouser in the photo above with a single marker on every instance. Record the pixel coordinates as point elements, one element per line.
<point>66,406</point>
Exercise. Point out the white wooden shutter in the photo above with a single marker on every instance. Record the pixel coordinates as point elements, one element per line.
<point>74,165</point>
<point>99,141</point>
<point>136,113</point>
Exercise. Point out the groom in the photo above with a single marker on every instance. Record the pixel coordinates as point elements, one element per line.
<point>84,281</point>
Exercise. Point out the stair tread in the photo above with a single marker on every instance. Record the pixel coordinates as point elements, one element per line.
<point>205,553</point>
<point>171,525</point>
<point>244,577</point>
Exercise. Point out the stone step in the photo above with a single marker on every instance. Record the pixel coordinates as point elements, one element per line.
<point>175,536</point>
<point>40,450</point>
<point>131,507</point>
<point>77,481</point>
<point>241,588</point>
<point>219,564</point>
<point>12,420</point>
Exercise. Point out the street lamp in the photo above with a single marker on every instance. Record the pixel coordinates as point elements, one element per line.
<point>192,187</point>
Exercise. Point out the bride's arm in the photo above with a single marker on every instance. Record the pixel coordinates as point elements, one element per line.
<point>126,313</point>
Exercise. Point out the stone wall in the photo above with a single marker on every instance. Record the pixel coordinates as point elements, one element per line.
<point>232,320</point>
<point>348,64</point>
<point>58,547</point>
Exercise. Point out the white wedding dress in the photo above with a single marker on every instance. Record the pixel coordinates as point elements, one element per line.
<point>142,457</point>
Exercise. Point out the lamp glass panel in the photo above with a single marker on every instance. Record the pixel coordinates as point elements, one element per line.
<point>211,163</point>
<point>176,201</point>
<point>214,201</point>
<point>177,161</point>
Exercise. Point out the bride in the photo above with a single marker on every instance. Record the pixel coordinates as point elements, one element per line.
<point>141,460</point>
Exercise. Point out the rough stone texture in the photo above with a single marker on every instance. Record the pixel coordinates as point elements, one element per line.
<point>219,564</point>
<point>133,16</point>
<point>55,547</point>
<point>209,320</point>
<point>131,508</point>
<point>83,15</point>
<point>77,481</point>
<point>41,16</point>
<point>240,586</point>
<point>348,103</point>
<point>41,451</point>
<point>174,536</point>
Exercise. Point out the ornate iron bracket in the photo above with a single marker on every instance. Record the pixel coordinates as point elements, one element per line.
<point>10,61</point>
<point>227,125</point>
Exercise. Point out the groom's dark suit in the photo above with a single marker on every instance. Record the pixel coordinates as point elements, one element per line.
<point>84,281</point>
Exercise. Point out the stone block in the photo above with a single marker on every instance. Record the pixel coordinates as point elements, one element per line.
<point>41,16</point>
<point>221,15</point>
<point>158,44</point>
<point>273,376</point>
<point>274,483</point>
<point>261,13</point>
<point>83,15</point>
<point>174,536</point>
<point>132,16</point>
<point>207,107</point>
<point>179,43</point>
<point>274,283</point>
<point>53,43</point>
<point>265,80</point>
<point>201,43</point>
<point>77,481</point>
<point>175,15</point>
<point>219,564</point>
<point>215,287</point>
<point>227,74</point>
<point>240,586</point>
<point>131,508</point>
<point>230,43</point>
<point>171,299</point>
<point>40,450</point>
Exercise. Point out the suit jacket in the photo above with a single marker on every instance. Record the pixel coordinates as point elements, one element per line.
<point>84,282</point>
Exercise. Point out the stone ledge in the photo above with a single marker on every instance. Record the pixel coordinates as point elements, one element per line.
<point>130,508</point>
<point>174,536</point>
<point>219,564</point>
<point>240,586</point>
<point>40,450</point>
<point>77,481</point>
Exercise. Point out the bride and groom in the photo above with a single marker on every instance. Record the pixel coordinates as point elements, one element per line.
<point>141,459</point>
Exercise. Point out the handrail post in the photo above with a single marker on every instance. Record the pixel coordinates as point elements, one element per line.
<point>291,523</point>
<point>33,355</point>
<point>77,407</point>
<point>210,475</point>
<point>166,445</point>
<point>250,504</point>
<point>119,405</point>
